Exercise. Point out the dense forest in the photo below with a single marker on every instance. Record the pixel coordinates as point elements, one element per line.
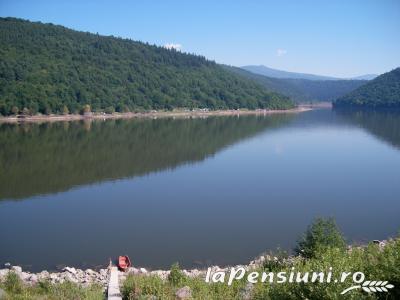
<point>303,90</point>
<point>51,69</point>
<point>382,92</point>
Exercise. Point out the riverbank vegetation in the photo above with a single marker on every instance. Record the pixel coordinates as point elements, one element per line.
<point>48,69</point>
<point>320,249</point>
<point>14,289</point>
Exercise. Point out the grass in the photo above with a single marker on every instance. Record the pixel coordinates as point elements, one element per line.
<point>44,290</point>
<point>143,287</point>
<point>375,263</point>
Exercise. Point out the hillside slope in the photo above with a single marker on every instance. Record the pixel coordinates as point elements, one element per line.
<point>47,68</point>
<point>303,90</point>
<point>382,92</point>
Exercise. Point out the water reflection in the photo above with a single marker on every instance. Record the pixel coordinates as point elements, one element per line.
<point>53,157</point>
<point>383,124</point>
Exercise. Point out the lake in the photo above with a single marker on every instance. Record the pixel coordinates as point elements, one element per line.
<point>201,191</point>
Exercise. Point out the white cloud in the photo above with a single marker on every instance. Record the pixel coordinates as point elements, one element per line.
<point>170,46</point>
<point>281,52</point>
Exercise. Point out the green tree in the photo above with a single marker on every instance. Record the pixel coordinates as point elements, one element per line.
<point>65,110</point>
<point>321,234</point>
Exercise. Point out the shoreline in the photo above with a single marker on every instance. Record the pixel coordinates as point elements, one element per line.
<point>86,277</point>
<point>152,114</point>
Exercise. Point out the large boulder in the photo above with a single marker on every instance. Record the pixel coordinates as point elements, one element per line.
<point>183,293</point>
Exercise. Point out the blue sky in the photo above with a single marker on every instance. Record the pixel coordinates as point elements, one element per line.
<point>337,38</point>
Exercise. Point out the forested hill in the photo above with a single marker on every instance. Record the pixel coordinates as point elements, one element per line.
<point>303,90</point>
<point>51,69</point>
<point>382,92</point>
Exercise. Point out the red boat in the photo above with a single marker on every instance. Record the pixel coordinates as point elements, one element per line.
<point>124,262</point>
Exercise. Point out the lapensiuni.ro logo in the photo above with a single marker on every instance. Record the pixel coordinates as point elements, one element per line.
<point>357,278</point>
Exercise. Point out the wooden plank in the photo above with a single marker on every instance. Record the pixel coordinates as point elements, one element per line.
<point>113,292</point>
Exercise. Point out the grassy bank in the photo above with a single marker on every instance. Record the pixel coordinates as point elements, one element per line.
<point>14,289</point>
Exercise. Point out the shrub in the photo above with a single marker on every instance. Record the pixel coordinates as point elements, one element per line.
<point>13,283</point>
<point>321,234</point>
<point>176,276</point>
<point>65,110</point>
<point>109,110</point>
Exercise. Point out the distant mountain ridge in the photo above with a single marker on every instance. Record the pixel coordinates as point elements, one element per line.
<point>382,92</point>
<point>303,90</point>
<point>274,73</point>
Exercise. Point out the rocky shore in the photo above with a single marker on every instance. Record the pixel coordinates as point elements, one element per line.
<point>101,276</point>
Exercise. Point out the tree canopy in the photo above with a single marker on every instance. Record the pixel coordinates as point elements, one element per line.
<point>382,92</point>
<point>51,69</point>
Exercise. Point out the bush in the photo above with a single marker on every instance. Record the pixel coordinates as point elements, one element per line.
<point>13,284</point>
<point>176,276</point>
<point>375,263</point>
<point>16,289</point>
<point>65,110</point>
<point>109,110</point>
<point>321,234</point>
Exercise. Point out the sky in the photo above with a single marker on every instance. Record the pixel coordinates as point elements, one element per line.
<point>326,37</point>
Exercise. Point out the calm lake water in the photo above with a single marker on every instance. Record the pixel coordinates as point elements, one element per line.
<point>219,190</point>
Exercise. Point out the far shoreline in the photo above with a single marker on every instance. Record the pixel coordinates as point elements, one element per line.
<point>151,114</point>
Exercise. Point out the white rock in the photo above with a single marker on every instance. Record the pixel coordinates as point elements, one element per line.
<point>3,273</point>
<point>24,276</point>
<point>70,277</point>
<point>71,270</point>
<point>17,269</point>
<point>143,270</point>
<point>184,293</point>
<point>90,272</point>
<point>33,278</point>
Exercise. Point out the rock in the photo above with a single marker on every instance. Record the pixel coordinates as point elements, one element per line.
<point>17,269</point>
<point>43,275</point>
<point>53,277</point>
<point>184,293</point>
<point>90,272</point>
<point>33,278</point>
<point>70,270</point>
<point>7,265</point>
<point>24,276</point>
<point>143,270</point>
<point>133,271</point>
<point>3,273</point>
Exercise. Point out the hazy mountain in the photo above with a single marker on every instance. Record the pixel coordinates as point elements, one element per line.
<point>274,73</point>
<point>303,90</point>
<point>366,77</point>
<point>382,92</point>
